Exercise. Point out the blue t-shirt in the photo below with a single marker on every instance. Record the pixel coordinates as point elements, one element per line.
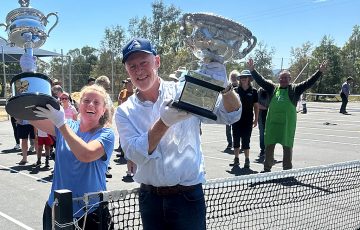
<point>77,176</point>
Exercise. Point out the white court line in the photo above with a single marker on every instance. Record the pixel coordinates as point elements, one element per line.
<point>333,130</point>
<point>303,139</point>
<point>333,120</point>
<point>297,127</point>
<point>24,174</point>
<point>328,135</point>
<point>15,221</point>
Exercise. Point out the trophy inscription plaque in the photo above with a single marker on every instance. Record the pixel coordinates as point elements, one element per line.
<point>26,28</point>
<point>212,39</point>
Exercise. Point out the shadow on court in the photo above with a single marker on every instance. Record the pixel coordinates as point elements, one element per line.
<point>31,169</point>
<point>237,171</point>
<point>5,151</point>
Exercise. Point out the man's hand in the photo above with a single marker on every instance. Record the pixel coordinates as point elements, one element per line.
<point>251,64</point>
<point>28,63</point>
<point>57,117</point>
<point>170,115</point>
<point>216,70</point>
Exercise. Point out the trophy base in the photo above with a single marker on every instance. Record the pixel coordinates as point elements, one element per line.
<point>194,109</point>
<point>23,106</point>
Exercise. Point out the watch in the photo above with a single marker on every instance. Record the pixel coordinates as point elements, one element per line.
<point>227,88</point>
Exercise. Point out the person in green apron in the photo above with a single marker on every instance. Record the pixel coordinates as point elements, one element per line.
<point>280,123</point>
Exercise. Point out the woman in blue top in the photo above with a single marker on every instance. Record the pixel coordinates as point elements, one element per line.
<point>83,151</point>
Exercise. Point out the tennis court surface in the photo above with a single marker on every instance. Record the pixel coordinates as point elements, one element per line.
<point>241,201</point>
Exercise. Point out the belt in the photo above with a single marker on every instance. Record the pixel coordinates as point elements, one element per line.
<point>168,190</point>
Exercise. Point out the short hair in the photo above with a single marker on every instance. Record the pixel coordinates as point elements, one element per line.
<point>91,79</point>
<point>285,71</point>
<point>349,79</point>
<point>103,81</point>
<point>57,88</point>
<point>234,72</point>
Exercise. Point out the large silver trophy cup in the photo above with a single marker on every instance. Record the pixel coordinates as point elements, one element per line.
<point>26,28</point>
<point>211,38</point>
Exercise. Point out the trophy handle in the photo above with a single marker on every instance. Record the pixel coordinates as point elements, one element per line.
<point>251,44</point>
<point>56,22</point>
<point>2,24</point>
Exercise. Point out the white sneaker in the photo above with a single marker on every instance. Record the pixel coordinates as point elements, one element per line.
<point>17,147</point>
<point>32,148</point>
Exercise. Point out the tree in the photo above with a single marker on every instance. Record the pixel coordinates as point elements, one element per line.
<point>331,81</point>
<point>263,59</point>
<point>109,63</point>
<point>300,58</point>
<point>350,55</point>
<point>82,63</point>
<point>163,31</point>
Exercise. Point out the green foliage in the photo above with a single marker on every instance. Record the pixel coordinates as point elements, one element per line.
<point>162,28</point>
<point>263,59</point>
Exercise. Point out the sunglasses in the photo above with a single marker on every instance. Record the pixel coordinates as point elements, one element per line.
<point>64,98</point>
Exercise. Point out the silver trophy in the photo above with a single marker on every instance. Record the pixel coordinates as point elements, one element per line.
<point>26,28</point>
<point>211,38</point>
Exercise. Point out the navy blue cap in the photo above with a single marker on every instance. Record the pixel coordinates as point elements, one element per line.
<point>136,45</point>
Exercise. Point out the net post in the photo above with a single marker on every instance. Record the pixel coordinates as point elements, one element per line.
<point>64,210</point>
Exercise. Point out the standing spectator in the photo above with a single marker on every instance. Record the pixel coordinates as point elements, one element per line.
<point>123,96</point>
<point>83,151</point>
<point>281,118</point>
<point>16,137</point>
<point>126,92</point>
<point>233,79</point>
<point>104,82</point>
<point>164,142</point>
<point>69,109</point>
<point>344,94</point>
<point>44,141</point>
<point>264,101</point>
<point>242,129</point>
<point>91,81</point>
<point>57,90</point>
<point>25,131</point>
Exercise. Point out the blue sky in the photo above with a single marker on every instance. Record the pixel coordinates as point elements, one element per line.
<point>281,24</point>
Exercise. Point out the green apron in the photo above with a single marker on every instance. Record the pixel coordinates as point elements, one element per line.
<point>281,119</point>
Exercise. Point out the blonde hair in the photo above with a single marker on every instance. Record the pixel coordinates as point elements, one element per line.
<point>99,89</point>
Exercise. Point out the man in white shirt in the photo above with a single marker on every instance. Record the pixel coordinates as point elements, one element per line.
<point>164,142</point>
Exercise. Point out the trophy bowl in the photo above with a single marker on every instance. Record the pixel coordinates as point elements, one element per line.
<point>27,20</point>
<point>215,38</point>
<point>26,29</point>
<point>29,90</point>
<point>211,38</point>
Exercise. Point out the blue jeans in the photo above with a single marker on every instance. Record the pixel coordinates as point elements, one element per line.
<point>261,124</point>
<point>182,211</point>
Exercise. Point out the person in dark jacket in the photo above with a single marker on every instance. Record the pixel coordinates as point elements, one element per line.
<point>344,94</point>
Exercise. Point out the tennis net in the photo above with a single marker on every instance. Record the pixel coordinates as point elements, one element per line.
<point>323,197</point>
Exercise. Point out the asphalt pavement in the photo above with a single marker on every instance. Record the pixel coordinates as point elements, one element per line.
<point>323,136</point>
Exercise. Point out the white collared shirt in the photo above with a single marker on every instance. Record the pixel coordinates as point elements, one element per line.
<point>178,158</point>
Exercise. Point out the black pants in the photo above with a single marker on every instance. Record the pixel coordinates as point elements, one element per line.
<point>97,220</point>
<point>344,101</point>
<point>14,126</point>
